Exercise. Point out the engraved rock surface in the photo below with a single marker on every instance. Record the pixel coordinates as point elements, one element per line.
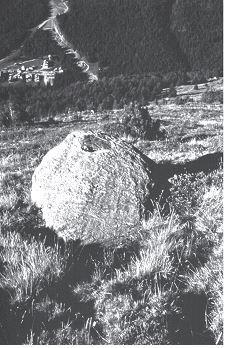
<point>94,188</point>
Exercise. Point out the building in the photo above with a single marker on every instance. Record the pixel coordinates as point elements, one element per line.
<point>48,63</point>
<point>45,73</point>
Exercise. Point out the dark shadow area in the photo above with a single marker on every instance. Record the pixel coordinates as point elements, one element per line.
<point>42,234</point>
<point>186,312</point>
<point>173,38</point>
<point>160,173</point>
<point>199,251</point>
<point>206,164</point>
<point>81,261</point>
<point>52,123</point>
<point>19,319</point>
<point>189,326</point>
<point>201,136</point>
<point>8,323</point>
<point>152,282</point>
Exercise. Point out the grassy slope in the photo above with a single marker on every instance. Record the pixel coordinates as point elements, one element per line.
<point>167,289</point>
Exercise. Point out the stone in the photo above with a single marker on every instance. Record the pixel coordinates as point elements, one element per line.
<point>93,188</point>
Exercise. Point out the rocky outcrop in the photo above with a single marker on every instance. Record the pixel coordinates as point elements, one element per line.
<point>94,188</point>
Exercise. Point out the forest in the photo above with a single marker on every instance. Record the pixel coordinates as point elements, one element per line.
<point>17,18</point>
<point>142,46</point>
<point>125,37</point>
<point>32,103</point>
<point>147,35</point>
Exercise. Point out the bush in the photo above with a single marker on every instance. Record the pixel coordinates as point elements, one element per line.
<point>197,77</point>
<point>182,101</point>
<point>172,92</point>
<point>212,96</point>
<point>136,122</point>
<point>5,118</point>
<point>12,116</point>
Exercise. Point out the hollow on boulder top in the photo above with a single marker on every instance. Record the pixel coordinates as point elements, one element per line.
<point>93,188</point>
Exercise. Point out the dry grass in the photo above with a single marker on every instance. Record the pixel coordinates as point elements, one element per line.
<point>166,289</point>
<point>28,267</point>
<point>178,258</point>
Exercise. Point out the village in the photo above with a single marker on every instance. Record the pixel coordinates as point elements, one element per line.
<point>37,71</point>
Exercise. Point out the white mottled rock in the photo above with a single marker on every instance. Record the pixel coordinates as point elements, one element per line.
<point>93,188</point>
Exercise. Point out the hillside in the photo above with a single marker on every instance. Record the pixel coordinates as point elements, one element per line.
<point>16,19</point>
<point>142,36</point>
<point>124,36</point>
<point>111,180</point>
<point>164,289</point>
<point>198,27</point>
<point>39,38</point>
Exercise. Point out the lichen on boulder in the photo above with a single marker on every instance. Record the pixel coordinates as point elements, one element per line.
<point>93,188</point>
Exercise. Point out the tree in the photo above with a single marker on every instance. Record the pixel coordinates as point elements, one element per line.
<point>5,118</point>
<point>156,91</point>
<point>81,105</point>
<point>172,92</point>
<point>17,105</point>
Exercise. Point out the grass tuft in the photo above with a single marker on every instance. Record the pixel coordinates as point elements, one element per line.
<point>28,267</point>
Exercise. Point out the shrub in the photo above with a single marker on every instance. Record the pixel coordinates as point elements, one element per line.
<point>136,122</point>
<point>5,118</point>
<point>12,115</point>
<point>197,77</point>
<point>188,190</point>
<point>212,96</point>
<point>172,92</point>
<point>182,101</point>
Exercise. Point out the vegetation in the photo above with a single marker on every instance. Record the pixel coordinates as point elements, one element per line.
<point>72,93</point>
<point>164,289</point>
<point>135,122</point>
<point>197,26</point>
<point>104,94</point>
<point>122,35</point>
<point>172,92</point>
<point>16,19</point>
<point>212,96</point>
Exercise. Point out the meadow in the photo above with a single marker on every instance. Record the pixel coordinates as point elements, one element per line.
<point>165,288</point>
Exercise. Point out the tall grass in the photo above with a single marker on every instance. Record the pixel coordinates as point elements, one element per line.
<point>29,267</point>
<point>165,289</point>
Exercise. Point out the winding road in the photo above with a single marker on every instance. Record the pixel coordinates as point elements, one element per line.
<point>59,7</point>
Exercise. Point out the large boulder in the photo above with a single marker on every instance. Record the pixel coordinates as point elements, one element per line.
<point>94,188</point>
